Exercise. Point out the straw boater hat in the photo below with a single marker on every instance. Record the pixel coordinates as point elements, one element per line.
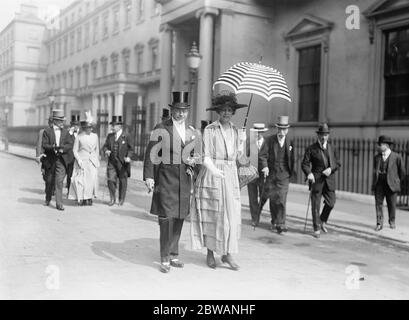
<point>180,100</point>
<point>116,120</point>
<point>58,114</point>
<point>260,127</point>
<point>282,122</point>
<point>322,128</point>
<point>225,100</point>
<point>385,139</point>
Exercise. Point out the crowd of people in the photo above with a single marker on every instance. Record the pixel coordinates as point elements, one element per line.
<point>196,173</point>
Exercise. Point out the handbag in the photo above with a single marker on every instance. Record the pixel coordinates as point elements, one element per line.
<point>247,174</point>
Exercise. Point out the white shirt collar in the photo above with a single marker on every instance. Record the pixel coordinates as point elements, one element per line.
<point>386,154</point>
<point>118,134</point>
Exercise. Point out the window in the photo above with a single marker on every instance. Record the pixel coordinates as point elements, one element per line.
<point>58,84</point>
<point>59,49</point>
<point>104,64</point>
<point>396,74</point>
<point>140,10</point>
<point>139,61</point>
<point>86,35</point>
<point>114,60</point>
<point>72,42</point>
<point>65,46</point>
<point>115,14</point>
<point>71,75</point>
<point>78,71</point>
<point>125,58</point>
<point>86,68</point>
<point>127,11</point>
<point>87,8</point>
<point>54,55</point>
<point>79,39</point>
<point>72,18</point>
<point>94,65</point>
<point>154,58</point>
<point>66,23</point>
<point>309,73</point>
<point>105,28</point>
<point>95,31</point>
<point>64,79</point>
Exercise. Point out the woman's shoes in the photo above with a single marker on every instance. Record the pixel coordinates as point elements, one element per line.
<point>228,259</point>
<point>211,263</point>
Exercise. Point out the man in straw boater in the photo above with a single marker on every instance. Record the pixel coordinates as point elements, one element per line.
<point>118,150</point>
<point>167,174</point>
<point>276,159</point>
<point>319,164</point>
<point>388,173</point>
<point>73,131</point>
<point>57,145</point>
<point>255,187</point>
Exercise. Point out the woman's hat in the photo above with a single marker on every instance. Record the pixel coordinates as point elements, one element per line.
<point>385,139</point>
<point>86,124</point>
<point>225,100</point>
<point>75,119</point>
<point>260,127</point>
<point>116,120</point>
<point>322,128</point>
<point>282,122</point>
<point>58,114</point>
<point>180,100</point>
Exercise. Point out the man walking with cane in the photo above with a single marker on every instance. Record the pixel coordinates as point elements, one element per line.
<point>319,165</point>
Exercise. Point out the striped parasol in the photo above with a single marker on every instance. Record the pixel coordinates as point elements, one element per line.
<point>255,78</point>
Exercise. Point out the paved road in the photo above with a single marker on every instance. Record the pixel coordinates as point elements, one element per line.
<point>112,253</point>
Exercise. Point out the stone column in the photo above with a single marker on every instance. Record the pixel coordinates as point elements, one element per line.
<point>166,64</point>
<point>94,111</point>
<point>119,103</point>
<point>205,75</point>
<point>111,111</point>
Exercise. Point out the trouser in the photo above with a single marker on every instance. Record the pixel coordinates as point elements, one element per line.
<point>382,191</point>
<point>254,189</point>
<point>170,230</point>
<point>329,202</point>
<point>54,180</point>
<point>70,169</point>
<point>117,172</point>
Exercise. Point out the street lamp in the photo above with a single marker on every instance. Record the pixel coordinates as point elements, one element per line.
<point>51,98</point>
<point>193,58</point>
<point>6,118</point>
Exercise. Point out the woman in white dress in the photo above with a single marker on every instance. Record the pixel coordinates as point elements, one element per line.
<point>85,175</point>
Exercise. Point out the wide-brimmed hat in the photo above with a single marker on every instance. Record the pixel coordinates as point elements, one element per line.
<point>260,127</point>
<point>116,120</point>
<point>282,122</point>
<point>75,119</point>
<point>180,100</point>
<point>58,114</point>
<point>322,128</point>
<point>86,124</point>
<point>225,100</point>
<point>385,139</point>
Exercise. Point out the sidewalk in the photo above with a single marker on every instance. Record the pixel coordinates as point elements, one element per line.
<point>353,213</point>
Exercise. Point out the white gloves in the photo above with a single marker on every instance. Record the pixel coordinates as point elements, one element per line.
<point>208,163</point>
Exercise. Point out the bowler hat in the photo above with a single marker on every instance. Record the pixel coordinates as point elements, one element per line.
<point>322,128</point>
<point>86,124</point>
<point>180,100</point>
<point>260,127</point>
<point>282,122</point>
<point>385,139</point>
<point>225,100</point>
<point>75,119</point>
<point>116,120</point>
<point>58,114</point>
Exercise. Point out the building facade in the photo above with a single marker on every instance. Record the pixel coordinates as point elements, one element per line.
<point>22,66</point>
<point>345,62</point>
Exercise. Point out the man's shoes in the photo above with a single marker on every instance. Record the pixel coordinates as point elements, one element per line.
<point>60,207</point>
<point>47,203</point>
<point>176,263</point>
<point>281,229</point>
<point>210,261</point>
<point>121,202</point>
<point>324,227</point>
<point>89,202</point>
<point>111,203</point>
<point>378,227</point>
<point>392,225</point>
<point>164,267</point>
<point>316,234</point>
<point>228,259</point>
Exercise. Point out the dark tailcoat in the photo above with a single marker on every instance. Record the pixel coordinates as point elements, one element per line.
<point>125,150</point>
<point>171,196</point>
<point>395,172</point>
<point>49,143</point>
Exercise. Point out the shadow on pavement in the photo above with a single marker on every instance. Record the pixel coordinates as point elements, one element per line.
<point>33,190</point>
<point>36,201</point>
<point>134,214</point>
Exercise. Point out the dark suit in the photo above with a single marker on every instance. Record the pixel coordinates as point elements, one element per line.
<point>55,163</point>
<point>315,161</point>
<point>172,194</point>
<point>117,168</point>
<point>387,177</point>
<point>70,166</point>
<point>280,163</point>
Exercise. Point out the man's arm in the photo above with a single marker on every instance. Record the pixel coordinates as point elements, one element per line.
<point>263,153</point>
<point>401,168</point>
<point>46,141</point>
<point>335,166</point>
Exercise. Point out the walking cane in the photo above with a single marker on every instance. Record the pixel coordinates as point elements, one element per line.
<point>260,205</point>
<point>308,206</point>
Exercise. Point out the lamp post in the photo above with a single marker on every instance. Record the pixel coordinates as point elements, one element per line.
<point>193,58</point>
<point>51,98</point>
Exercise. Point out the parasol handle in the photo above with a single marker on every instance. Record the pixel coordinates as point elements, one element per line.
<point>248,111</point>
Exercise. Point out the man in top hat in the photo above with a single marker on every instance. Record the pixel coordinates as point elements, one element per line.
<point>57,145</point>
<point>388,173</point>
<point>254,188</point>
<point>73,131</point>
<point>118,150</point>
<point>39,149</point>
<point>276,159</point>
<point>169,180</point>
<point>319,164</point>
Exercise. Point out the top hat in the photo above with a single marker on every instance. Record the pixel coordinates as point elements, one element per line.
<point>282,122</point>
<point>225,100</point>
<point>165,114</point>
<point>180,100</point>
<point>75,119</point>
<point>116,120</point>
<point>86,124</point>
<point>58,114</point>
<point>385,139</point>
<point>322,128</point>
<point>260,127</point>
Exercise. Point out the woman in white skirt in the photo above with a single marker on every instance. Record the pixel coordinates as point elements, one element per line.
<point>85,175</point>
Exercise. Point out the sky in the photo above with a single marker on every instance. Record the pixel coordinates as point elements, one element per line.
<point>46,7</point>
